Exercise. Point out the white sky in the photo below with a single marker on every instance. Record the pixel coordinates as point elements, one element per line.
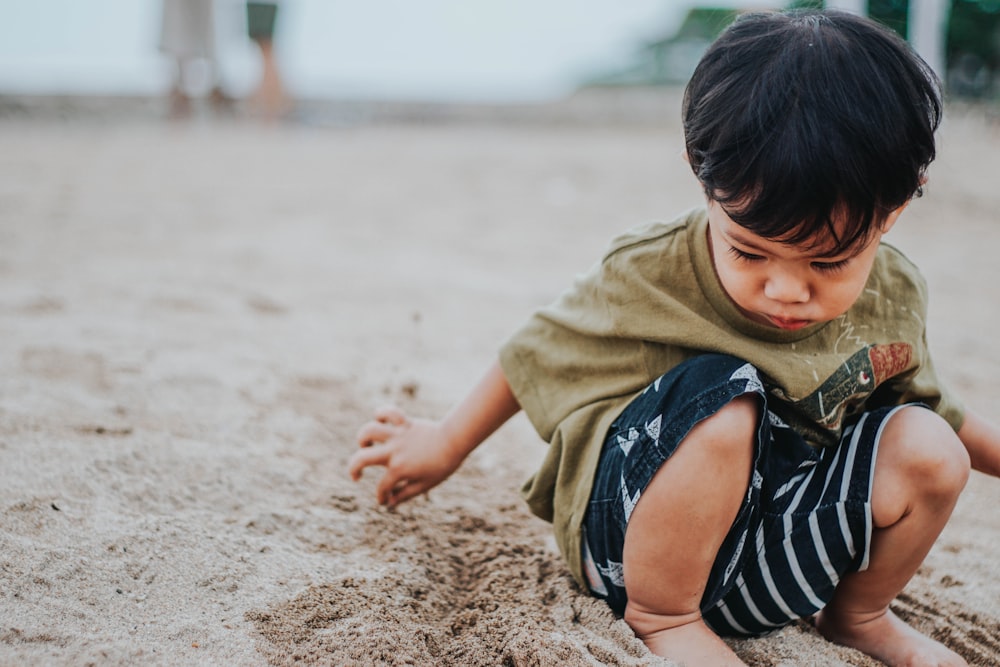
<point>430,49</point>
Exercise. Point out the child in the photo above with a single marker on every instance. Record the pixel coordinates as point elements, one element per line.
<point>748,389</point>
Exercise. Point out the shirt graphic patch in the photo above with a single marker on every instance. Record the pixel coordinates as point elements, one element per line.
<point>853,382</point>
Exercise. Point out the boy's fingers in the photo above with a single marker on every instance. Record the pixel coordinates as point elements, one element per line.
<point>375,432</point>
<point>403,493</point>
<point>386,489</point>
<point>371,456</point>
<point>390,414</point>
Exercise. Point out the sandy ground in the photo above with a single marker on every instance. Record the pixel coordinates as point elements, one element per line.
<point>196,318</point>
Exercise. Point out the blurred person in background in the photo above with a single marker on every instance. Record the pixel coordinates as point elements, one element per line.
<point>187,35</point>
<point>270,101</point>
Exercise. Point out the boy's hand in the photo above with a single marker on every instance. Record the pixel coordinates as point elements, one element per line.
<point>416,454</point>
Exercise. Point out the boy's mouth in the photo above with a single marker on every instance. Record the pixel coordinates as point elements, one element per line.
<point>788,323</point>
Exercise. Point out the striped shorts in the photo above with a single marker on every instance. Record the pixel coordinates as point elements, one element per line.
<point>804,523</point>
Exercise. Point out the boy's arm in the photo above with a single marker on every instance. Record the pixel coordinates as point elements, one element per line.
<point>982,440</point>
<point>418,454</point>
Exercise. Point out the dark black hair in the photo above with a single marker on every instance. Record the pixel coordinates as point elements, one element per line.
<point>793,120</point>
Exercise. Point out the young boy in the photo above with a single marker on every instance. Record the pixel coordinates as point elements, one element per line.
<point>745,425</point>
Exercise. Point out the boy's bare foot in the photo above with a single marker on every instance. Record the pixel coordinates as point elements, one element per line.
<point>693,645</point>
<point>887,638</point>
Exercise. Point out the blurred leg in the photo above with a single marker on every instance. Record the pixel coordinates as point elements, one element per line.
<point>271,100</point>
<point>180,102</point>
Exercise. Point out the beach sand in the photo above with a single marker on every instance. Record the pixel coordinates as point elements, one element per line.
<point>196,318</point>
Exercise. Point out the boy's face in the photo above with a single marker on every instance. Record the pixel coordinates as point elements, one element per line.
<point>788,286</point>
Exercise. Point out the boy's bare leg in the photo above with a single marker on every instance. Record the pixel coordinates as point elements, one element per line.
<point>920,470</point>
<point>676,530</point>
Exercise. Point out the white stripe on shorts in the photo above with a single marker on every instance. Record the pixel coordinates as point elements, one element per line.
<point>788,560</point>
<point>765,571</point>
<point>869,521</point>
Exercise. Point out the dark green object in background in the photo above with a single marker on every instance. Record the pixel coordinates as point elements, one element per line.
<point>260,20</point>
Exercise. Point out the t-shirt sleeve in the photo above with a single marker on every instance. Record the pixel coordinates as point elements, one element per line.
<point>594,342</point>
<point>922,384</point>
<point>568,355</point>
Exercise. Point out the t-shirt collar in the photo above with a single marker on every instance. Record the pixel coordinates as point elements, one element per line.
<point>708,280</point>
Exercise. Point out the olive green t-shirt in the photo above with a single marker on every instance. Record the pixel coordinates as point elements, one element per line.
<point>655,301</point>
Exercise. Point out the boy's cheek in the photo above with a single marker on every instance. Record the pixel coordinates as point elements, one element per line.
<point>734,279</point>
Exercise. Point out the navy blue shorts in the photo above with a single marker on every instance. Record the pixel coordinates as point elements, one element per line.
<point>804,523</point>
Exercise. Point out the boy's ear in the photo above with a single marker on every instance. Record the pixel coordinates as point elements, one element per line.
<point>891,218</point>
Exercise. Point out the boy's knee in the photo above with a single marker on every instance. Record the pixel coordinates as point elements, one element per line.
<point>920,455</point>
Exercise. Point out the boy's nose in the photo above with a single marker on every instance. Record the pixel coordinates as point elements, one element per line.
<point>786,288</point>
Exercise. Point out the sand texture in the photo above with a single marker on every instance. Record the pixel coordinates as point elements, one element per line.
<point>196,318</point>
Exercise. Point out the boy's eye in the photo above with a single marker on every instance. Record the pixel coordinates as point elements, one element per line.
<point>744,256</point>
<point>831,267</point>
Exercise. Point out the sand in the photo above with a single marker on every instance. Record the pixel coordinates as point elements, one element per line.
<point>196,318</point>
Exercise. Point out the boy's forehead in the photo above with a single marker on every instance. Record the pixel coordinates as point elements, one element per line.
<point>826,242</point>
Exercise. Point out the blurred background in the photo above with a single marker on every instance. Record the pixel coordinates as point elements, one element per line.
<point>515,51</point>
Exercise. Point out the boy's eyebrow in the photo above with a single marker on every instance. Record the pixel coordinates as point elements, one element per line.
<point>835,252</point>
